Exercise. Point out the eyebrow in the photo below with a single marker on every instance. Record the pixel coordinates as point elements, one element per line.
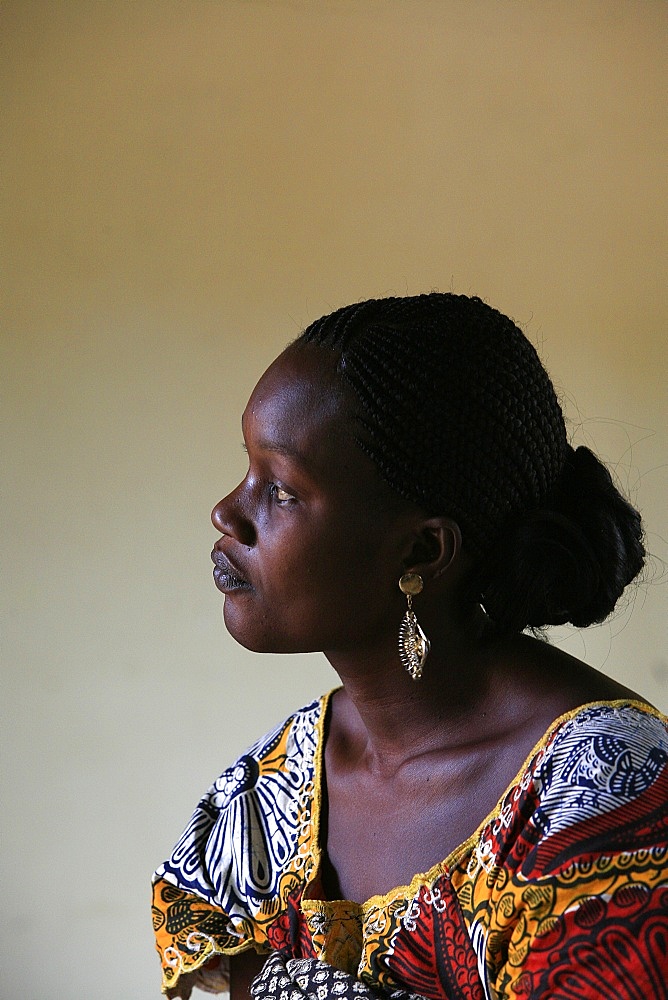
<point>281,448</point>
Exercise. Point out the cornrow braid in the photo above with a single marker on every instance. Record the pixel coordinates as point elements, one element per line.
<point>460,416</point>
<point>456,409</point>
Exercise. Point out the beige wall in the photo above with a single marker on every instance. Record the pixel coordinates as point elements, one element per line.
<point>187,185</point>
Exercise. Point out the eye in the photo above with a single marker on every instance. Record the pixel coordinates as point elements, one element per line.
<point>280,495</point>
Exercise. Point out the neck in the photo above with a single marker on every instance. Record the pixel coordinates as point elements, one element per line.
<point>391,717</point>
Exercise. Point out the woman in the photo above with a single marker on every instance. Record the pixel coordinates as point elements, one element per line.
<point>473,813</point>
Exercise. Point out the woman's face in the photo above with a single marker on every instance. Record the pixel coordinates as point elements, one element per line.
<point>313,542</point>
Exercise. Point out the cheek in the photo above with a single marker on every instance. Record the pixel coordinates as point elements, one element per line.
<point>343,579</point>
<point>317,589</point>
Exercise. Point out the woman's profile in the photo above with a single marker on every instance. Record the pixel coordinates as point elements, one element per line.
<point>473,813</point>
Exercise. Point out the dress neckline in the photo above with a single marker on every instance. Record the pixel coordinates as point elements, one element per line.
<point>381,900</point>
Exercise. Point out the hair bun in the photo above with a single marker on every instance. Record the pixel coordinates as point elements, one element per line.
<point>570,560</point>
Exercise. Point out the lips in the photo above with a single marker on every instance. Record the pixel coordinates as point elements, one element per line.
<point>226,575</point>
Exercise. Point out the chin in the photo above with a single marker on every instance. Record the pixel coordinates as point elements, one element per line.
<point>263,640</point>
<point>264,644</point>
<point>248,635</point>
<point>255,644</point>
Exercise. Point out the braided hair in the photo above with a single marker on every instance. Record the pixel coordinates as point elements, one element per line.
<point>457,412</point>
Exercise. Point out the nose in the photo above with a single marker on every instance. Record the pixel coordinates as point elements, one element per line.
<point>230,517</point>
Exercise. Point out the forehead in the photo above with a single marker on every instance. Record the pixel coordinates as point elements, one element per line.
<point>298,374</point>
<point>298,398</point>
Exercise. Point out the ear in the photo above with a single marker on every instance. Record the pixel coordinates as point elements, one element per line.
<point>435,547</point>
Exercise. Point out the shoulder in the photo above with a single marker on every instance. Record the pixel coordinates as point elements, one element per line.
<point>596,784</point>
<point>596,847</point>
<point>246,826</point>
<point>608,730</point>
<point>597,776</point>
<point>295,741</point>
<point>600,757</point>
<point>555,682</point>
<point>245,849</point>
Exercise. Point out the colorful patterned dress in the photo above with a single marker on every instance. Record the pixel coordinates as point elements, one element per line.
<point>562,891</point>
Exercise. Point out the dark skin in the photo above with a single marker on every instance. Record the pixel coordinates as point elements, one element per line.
<point>312,546</point>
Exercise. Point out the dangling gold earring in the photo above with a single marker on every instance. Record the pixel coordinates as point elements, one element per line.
<point>413,643</point>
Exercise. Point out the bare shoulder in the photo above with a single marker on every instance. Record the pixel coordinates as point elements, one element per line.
<point>557,682</point>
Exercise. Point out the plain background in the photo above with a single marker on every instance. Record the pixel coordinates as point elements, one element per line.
<point>186,185</point>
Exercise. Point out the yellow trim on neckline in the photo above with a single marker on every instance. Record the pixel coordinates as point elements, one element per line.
<point>382,900</point>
